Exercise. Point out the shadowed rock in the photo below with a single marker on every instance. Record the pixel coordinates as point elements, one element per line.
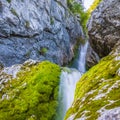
<point>104,27</point>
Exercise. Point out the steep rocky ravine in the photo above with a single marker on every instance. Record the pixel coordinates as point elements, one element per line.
<point>41,30</point>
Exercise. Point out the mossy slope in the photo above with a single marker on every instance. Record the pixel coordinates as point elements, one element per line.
<point>32,95</point>
<point>98,90</point>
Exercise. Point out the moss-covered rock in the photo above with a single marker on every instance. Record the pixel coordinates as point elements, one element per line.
<point>98,91</point>
<point>32,94</point>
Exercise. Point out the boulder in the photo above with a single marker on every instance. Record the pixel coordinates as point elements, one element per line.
<point>104,27</point>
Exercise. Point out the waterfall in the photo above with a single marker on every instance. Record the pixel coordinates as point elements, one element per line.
<point>82,57</point>
<point>69,78</point>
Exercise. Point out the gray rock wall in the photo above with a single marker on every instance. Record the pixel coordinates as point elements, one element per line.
<point>37,29</point>
<point>91,57</point>
<point>104,27</point>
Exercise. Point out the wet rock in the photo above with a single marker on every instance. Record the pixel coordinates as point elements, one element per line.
<point>91,57</point>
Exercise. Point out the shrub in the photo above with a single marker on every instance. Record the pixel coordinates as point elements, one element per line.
<point>43,51</point>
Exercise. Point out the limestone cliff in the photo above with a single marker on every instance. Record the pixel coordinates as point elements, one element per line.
<point>37,29</point>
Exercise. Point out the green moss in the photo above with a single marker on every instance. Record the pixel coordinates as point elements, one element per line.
<point>33,94</point>
<point>113,105</point>
<point>100,79</point>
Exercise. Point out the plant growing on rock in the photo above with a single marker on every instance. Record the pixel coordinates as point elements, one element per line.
<point>32,95</point>
<point>27,24</point>
<point>9,1</point>
<point>51,20</point>
<point>77,8</point>
<point>13,11</point>
<point>43,51</point>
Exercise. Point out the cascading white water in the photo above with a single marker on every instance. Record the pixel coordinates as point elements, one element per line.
<point>82,57</point>
<point>66,90</point>
<point>69,78</point>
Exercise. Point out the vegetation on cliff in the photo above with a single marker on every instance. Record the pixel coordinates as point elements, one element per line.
<point>98,89</point>
<point>77,9</point>
<point>93,6</point>
<point>32,95</point>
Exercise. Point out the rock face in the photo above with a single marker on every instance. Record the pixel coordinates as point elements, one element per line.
<point>29,91</point>
<point>91,57</point>
<point>39,30</point>
<point>104,27</point>
<point>97,93</point>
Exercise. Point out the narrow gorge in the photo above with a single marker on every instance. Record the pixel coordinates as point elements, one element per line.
<point>59,61</point>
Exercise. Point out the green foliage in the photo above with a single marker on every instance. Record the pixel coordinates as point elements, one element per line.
<point>13,11</point>
<point>32,95</point>
<point>9,1</point>
<point>76,8</point>
<point>101,79</point>
<point>51,20</point>
<point>43,51</point>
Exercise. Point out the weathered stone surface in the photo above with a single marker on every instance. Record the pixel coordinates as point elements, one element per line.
<point>38,30</point>
<point>97,93</point>
<point>91,57</point>
<point>104,27</point>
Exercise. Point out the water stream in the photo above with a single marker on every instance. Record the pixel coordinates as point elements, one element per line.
<point>69,78</point>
